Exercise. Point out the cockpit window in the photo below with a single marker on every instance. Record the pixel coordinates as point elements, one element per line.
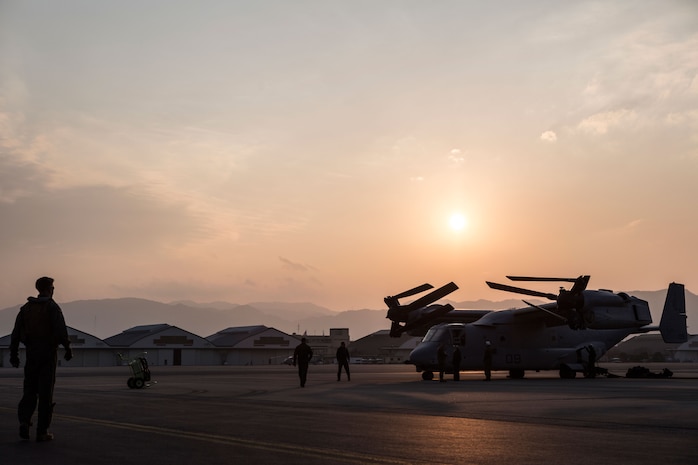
<point>434,334</point>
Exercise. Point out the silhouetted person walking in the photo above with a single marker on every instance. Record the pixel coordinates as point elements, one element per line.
<point>591,366</point>
<point>343,361</point>
<point>302,356</point>
<point>40,326</point>
<point>487,360</point>
<point>441,358</point>
<point>456,358</point>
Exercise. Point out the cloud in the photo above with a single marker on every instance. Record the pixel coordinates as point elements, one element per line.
<point>689,118</point>
<point>635,223</point>
<point>693,88</point>
<point>96,218</point>
<point>548,136</point>
<point>19,178</point>
<point>600,123</point>
<point>289,265</point>
<point>456,157</point>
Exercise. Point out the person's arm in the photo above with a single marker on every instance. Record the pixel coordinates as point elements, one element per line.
<point>61,329</point>
<point>14,341</point>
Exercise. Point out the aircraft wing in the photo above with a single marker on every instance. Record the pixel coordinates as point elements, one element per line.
<point>534,314</point>
<point>547,313</point>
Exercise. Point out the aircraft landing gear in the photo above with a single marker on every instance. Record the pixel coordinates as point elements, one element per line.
<point>567,372</point>
<point>427,375</point>
<point>516,374</point>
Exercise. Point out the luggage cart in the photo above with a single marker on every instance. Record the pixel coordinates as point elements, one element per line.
<point>139,371</point>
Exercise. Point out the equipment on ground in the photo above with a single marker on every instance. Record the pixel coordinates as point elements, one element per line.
<point>140,373</point>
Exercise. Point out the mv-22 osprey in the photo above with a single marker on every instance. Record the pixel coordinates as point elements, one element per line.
<point>566,335</point>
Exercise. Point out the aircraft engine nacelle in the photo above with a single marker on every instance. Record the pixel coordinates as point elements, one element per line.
<point>606,310</point>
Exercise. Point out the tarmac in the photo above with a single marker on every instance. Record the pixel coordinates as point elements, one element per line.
<point>386,414</point>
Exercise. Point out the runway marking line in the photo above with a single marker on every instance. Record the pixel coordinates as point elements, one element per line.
<point>322,453</point>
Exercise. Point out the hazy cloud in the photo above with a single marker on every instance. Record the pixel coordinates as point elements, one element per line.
<point>154,162</point>
<point>456,157</point>
<point>693,88</point>
<point>600,123</point>
<point>289,265</point>
<point>95,217</point>
<point>548,136</point>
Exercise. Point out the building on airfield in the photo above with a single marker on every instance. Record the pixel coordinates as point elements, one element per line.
<point>164,344</point>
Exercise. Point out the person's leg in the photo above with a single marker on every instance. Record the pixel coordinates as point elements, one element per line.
<point>303,371</point>
<point>27,404</point>
<point>47,381</point>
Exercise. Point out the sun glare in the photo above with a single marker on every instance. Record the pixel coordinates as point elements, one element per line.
<point>457,222</point>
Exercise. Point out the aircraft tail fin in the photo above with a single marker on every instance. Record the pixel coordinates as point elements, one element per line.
<point>672,326</point>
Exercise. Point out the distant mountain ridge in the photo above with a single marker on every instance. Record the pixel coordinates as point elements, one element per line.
<point>107,317</point>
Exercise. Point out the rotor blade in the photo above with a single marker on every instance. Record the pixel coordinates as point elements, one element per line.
<point>518,290</point>
<point>396,330</point>
<point>434,314</point>
<point>545,310</point>
<point>534,278</point>
<point>413,291</point>
<point>433,296</point>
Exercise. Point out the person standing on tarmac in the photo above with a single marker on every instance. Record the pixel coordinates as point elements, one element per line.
<point>456,358</point>
<point>343,361</point>
<point>441,358</point>
<point>302,356</point>
<point>40,326</point>
<point>487,360</point>
<point>591,365</point>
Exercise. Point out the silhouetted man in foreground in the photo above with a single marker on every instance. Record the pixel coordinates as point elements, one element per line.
<point>343,361</point>
<point>302,356</point>
<point>40,326</point>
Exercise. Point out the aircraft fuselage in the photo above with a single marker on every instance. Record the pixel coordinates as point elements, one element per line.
<point>533,347</point>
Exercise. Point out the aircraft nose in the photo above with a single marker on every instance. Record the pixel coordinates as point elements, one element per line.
<point>421,354</point>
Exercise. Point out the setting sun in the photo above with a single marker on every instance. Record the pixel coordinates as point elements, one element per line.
<point>457,222</point>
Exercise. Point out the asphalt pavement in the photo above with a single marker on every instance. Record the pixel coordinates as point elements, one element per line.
<point>385,415</point>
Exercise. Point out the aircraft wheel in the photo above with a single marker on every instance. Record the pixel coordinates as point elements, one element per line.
<point>567,373</point>
<point>427,375</point>
<point>517,374</point>
<point>130,383</point>
<point>138,383</point>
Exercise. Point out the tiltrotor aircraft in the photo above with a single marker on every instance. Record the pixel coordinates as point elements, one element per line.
<point>566,335</point>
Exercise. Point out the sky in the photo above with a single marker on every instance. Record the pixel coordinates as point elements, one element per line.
<point>317,151</point>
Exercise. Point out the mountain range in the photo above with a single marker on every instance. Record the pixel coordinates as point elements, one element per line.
<point>107,317</point>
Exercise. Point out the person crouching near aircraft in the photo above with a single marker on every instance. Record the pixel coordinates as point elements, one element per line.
<point>487,360</point>
<point>441,358</point>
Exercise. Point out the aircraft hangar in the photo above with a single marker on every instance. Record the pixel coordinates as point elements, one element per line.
<point>165,344</point>
<point>253,345</point>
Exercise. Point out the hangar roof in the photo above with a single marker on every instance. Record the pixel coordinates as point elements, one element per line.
<point>253,337</point>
